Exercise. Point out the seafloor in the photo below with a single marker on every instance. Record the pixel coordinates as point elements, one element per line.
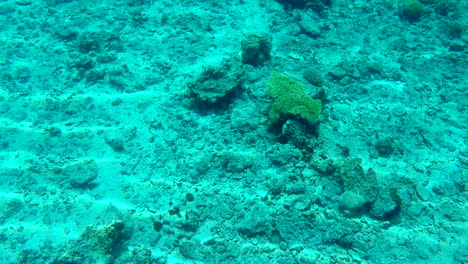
<point>140,131</point>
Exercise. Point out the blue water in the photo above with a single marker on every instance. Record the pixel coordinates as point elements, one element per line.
<point>245,131</point>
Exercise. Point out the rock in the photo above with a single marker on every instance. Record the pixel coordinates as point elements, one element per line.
<point>82,173</point>
<point>351,204</point>
<point>387,205</point>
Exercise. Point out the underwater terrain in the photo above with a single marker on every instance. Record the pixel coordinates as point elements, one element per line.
<point>243,131</point>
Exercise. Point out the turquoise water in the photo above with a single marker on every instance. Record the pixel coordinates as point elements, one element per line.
<point>245,131</point>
